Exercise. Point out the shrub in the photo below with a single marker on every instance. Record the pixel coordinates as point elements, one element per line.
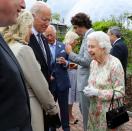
<point>104,25</point>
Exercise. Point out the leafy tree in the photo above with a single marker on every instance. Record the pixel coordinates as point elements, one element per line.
<point>56,16</point>
<point>104,25</point>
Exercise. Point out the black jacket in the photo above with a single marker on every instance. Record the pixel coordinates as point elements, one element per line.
<point>120,51</point>
<point>45,66</point>
<point>14,101</point>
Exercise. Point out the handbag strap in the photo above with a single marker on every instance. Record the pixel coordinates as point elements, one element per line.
<point>118,101</point>
<point>112,101</point>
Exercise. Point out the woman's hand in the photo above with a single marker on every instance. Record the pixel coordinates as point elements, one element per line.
<point>90,91</point>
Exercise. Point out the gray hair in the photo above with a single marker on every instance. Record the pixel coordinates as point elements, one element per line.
<point>38,6</point>
<point>102,39</point>
<point>115,30</point>
<point>70,36</point>
<point>53,28</point>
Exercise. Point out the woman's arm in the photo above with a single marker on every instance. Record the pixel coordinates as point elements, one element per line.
<point>36,79</point>
<point>117,80</point>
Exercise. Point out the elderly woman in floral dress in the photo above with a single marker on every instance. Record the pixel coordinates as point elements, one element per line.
<point>106,74</point>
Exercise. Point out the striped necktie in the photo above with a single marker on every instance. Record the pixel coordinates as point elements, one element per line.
<point>41,44</point>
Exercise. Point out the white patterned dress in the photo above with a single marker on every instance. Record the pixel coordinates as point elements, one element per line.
<point>102,78</point>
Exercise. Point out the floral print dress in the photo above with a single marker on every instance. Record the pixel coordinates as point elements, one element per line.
<point>102,78</point>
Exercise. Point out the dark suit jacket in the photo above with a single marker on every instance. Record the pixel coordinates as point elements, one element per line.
<point>14,101</point>
<point>59,71</point>
<point>45,67</point>
<point>46,70</point>
<point>120,51</point>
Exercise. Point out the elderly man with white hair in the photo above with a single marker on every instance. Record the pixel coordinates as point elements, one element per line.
<point>106,75</point>
<point>60,83</point>
<point>42,16</point>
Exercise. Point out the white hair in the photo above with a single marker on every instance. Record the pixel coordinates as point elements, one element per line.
<point>70,36</point>
<point>37,6</point>
<point>102,39</point>
<point>53,28</point>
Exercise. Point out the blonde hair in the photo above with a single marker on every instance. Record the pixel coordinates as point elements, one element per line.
<point>18,31</point>
<point>70,36</point>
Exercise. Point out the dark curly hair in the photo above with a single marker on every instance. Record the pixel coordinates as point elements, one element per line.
<point>81,20</point>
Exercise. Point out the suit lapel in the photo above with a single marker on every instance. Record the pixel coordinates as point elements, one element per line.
<point>35,43</point>
<point>116,42</point>
<point>7,49</point>
<point>57,50</point>
<point>10,53</point>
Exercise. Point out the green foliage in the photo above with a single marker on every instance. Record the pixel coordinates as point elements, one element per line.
<point>129,69</point>
<point>127,36</point>
<point>76,48</point>
<point>60,36</point>
<point>104,25</point>
<point>56,16</point>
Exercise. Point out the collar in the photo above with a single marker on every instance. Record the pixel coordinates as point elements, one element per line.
<point>34,31</point>
<point>116,41</point>
<point>87,32</point>
<point>53,44</point>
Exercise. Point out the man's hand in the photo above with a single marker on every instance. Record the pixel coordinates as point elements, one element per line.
<point>54,121</point>
<point>61,60</point>
<point>72,65</point>
<point>73,43</point>
<point>68,48</point>
<point>52,78</point>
